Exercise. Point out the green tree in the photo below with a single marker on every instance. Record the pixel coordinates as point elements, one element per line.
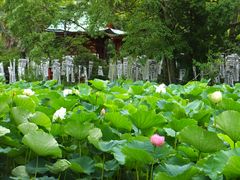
<point>174,30</point>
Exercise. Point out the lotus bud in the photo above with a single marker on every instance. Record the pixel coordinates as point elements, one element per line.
<point>157,140</point>
<point>103,112</point>
<point>216,97</point>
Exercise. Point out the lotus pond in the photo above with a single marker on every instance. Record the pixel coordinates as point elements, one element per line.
<point>109,130</point>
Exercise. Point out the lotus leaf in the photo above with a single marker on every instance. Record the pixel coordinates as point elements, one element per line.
<point>229,122</point>
<point>42,144</point>
<point>201,139</point>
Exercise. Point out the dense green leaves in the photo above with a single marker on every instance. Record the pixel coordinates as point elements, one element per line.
<point>109,137</point>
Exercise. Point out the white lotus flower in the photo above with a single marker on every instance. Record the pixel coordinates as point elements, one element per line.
<point>67,92</point>
<point>216,97</point>
<point>59,114</point>
<point>28,92</point>
<point>161,88</point>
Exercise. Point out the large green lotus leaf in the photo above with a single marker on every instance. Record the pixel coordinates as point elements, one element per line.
<point>119,121</point>
<point>6,98</point>
<point>98,98</point>
<point>172,106</point>
<point>95,133</point>
<point>229,122</point>
<point>179,124</point>
<point>227,139</point>
<point>176,89</point>
<point>5,150</point>
<point>84,90</point>
<point>59,166</point>
<point>57,129</point>
<point>42,144</point>
<point>201,139</point>
<point>108,132</point>
<point>124,96</point>
<point>229,104</point>
<point>188,152</point>
<point>78,129</point>
<point>82,164</point>
<point>147,119</point>
<point>41,119</point>
<point>151,100</point>
<point>27,127</point>
<point>20,115</point>
<point>50,83</point>
<point>38,165</point>
<point>118,102</point>
<point>146,145</point>
<point>99,84</point>
<point>49,111</point>
<point>119,155</point>
<point>118,90</point>
<point>136,157</point>
<point>4,131</point>
<point>202,115</point>
<point>51,99</point>
<point>83,116</point>
<point>232,168</point>
<point>20,172</point>
<point>173,172</point>
<point>88,106</point>
<point>214,164</point>
<point>194,106</point>
<point>194,88</point>
<point>106,146</point>
<point>69,102</point>
<point>8,141</point>
<point>4,108</point>
<point>111,165</point>
<point>25,102</point>
<point>136,90</point>
<point>130,108</point>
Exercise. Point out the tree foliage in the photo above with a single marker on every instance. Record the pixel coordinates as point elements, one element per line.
<point>175,30</point>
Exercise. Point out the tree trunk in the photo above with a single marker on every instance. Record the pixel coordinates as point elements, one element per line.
<point>168,74</point>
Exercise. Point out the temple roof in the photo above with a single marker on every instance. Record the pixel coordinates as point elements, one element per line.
<point>81,26</point>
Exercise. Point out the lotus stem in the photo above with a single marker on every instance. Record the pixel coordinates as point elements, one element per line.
<point>102,176</point>
<point>199,155</point>
<point>79,146</point>
<point>175,141</point>
<point>151,171</point>
<point>36,168</point>
<point>137,173</point>
<point>147,175</point>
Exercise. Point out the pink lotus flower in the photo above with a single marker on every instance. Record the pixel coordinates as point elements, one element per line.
<point>157,140</point>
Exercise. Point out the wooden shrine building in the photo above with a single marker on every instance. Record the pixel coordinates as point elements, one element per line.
<point>97,45</point>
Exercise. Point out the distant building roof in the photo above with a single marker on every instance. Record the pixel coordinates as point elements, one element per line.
<point>82,26</point>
